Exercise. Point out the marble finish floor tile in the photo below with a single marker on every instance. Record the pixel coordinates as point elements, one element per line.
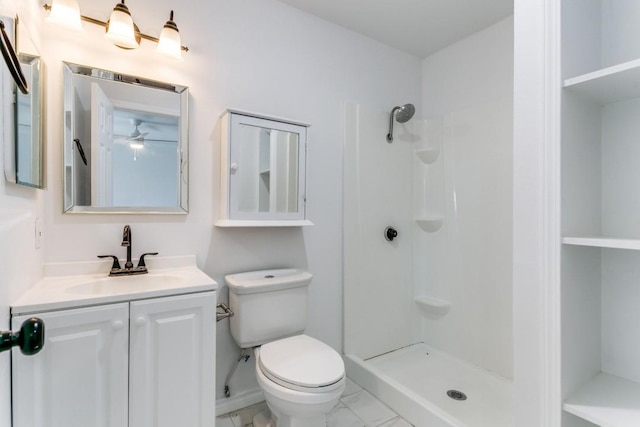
<point>356,408</point>
<point>368,408</point>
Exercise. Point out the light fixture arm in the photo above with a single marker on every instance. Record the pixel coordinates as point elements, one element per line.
<point>104,24</point>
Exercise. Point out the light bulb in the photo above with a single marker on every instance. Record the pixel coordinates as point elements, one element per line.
<point>169,43</point>
<point>65,13</point>
<point>120,28</point>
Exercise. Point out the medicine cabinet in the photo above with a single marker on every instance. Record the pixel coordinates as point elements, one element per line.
<point>263,171</point>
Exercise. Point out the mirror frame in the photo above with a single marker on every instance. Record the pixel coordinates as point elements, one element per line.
<point>183,186</point>
<point>10,107</point>
<point>35,91</point>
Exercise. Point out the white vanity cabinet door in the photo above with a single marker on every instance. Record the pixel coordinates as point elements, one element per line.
<point>80,377</point>
<point>172,361</point>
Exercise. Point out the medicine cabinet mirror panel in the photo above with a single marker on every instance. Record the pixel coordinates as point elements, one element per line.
<point>29,150</point>
<point>125,143</point>
<point>266,173</point>
<point>24,152</point>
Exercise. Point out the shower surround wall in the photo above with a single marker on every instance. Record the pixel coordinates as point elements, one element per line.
<point>468,88</point>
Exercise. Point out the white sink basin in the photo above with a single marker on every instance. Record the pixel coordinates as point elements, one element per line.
<point>125,284</point>
<point>79,290</point>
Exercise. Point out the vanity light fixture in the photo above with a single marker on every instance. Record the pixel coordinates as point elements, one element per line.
<point>121,30</point>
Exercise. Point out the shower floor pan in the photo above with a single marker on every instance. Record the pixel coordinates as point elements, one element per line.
<point>414,382</point>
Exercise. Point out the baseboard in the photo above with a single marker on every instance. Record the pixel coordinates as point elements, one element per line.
<point>239,401</point>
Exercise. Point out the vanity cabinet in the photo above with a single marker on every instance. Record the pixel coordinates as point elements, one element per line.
<point>140,363</point>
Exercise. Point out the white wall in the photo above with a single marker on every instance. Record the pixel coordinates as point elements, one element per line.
<point>20,261</point>
<point>257,55</point>
<point>468,88</point>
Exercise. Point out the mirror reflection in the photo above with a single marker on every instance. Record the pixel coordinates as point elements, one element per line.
<point>268,178</point>
<point>28,121</point>
<point>125,143</point>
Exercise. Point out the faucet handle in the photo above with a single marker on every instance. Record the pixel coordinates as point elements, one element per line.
<point>141,261</point>
<point>116,263</point>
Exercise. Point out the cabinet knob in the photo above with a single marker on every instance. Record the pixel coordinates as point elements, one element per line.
<point>117,324</point>
<point>233,167</point>
<point>141,320</point>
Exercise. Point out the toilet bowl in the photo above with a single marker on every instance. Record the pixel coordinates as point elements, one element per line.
<point>302,380</point>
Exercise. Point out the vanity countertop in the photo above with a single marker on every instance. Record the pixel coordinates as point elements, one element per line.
<point>72,285</point>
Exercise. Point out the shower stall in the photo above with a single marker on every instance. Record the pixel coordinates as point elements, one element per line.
<point>427,314</point>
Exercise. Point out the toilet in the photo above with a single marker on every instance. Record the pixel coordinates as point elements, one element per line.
<point>302,378</point>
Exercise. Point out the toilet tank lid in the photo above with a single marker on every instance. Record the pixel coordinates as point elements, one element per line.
<point>267,280</point>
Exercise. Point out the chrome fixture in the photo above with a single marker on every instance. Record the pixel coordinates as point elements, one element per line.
<point>120,29</point>
<point>226,312</point>
<point>126,242</point>
<point>128,269</point>
<point>390,233</point>
<point>456,395</point>
<point>402,115</point>
<point>242,357</point>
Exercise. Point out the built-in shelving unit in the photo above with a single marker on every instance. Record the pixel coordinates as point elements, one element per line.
<point>609,84</point>
<point>603,242</point>
<point>608,401</point>
<point>600,198</point>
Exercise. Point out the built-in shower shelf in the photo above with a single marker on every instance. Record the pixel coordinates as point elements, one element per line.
<point>428,155</point>
<point>433,307</point>
<point>603,242</point>
<point>608,401</point>
<point>429,224</point>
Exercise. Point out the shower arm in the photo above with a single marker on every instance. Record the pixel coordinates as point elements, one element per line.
<point>391,116</point>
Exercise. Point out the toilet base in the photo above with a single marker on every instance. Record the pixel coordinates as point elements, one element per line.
<point>263,419</point>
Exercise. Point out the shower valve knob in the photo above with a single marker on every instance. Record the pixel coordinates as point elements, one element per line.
<point>390,233</point>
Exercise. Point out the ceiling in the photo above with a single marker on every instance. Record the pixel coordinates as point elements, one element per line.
<point>419,27</point>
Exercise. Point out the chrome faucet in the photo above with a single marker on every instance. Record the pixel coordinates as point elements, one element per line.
<point>126,241</point>
<point>128,269</point>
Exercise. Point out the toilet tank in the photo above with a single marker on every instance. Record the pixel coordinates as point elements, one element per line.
<point>267,305</point>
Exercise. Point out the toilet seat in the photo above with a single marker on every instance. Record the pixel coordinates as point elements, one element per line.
<point>302,363</point>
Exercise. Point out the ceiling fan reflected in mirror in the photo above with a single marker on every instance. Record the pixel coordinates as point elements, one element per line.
<point>137,139</point>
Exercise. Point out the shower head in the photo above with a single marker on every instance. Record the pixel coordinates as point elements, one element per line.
<point>402,115</point>
<point>405,113</point>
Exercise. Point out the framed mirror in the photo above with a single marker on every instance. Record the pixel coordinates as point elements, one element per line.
<point>125,143</point>
<point>24,148</point>
<point>29,125</point>
<point>264,171</point>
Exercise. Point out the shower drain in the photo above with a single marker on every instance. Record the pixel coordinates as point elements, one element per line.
<point>456,395</point>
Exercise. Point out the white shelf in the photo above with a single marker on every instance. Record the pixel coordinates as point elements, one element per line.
<point>603,242</point>
<point>434,307</point>
<point>608,401</point>
<point>430,224</point>
<point>428,155</point>
<point>609,84</point>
